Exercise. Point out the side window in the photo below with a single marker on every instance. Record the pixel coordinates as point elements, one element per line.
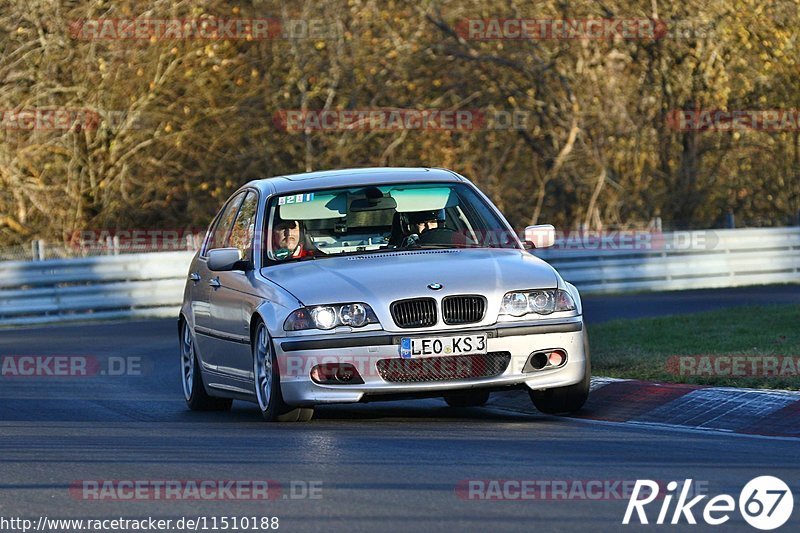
<point>220,232</point>
<point>244,228</point>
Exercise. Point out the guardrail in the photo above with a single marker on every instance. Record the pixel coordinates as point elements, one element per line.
<point>93,288</point>
<point>703,259</point>
<point>152,284</point>
<point>681,260</point>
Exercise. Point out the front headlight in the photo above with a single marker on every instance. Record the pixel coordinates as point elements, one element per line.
<point>354,315</point>
<point>541,302</point>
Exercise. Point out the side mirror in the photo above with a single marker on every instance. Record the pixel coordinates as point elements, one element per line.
<point>541,236</point>
<point>225,259</point>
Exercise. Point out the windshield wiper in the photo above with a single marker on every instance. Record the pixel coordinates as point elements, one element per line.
<point>424,246</point>
<point>462,246</point>
<point>362,252</point>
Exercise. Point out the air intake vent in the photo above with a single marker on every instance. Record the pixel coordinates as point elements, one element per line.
<point>414,313</point>
<point>463,309</point>
<point>450,368</point>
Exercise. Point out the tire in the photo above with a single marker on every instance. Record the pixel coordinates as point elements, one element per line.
<point>192,378</point>
<point>565,400</point>
<point>471,398</point>
<point>306,414</point>
<point>267,383</point>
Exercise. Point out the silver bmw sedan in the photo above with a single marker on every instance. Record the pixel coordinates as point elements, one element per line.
<point>375,284</point>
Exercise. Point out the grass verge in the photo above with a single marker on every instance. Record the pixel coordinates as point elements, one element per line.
<point>753,346</point>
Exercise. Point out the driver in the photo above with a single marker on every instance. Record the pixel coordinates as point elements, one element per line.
<point>419,223</point>
<point>286,239</point>
<point>423,221</point>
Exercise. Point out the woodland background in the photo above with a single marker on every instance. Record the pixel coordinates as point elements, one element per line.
<point>191,120</point>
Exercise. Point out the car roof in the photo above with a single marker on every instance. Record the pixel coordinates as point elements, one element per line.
<point>352,177</point>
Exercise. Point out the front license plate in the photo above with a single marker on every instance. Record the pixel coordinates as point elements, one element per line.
<point>411,347</point>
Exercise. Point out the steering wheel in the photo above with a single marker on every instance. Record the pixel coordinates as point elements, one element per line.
<point>437,236</point>
<point>409,241</point>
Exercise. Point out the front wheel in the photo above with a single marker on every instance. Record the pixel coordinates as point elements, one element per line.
<point>561,400</point>
<point>268,384</point>
<point>193,389</point>
<point>565,400</point>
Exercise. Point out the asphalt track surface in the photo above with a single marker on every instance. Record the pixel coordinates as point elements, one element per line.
<point>381,466</point>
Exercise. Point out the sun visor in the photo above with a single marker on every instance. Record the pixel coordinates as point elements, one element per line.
<point>423,199</point>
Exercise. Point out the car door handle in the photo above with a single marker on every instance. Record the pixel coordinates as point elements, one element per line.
<point>214,282</point>
<point>194,276</point>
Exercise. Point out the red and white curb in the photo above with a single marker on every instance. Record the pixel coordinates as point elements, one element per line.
<point>726,409</point>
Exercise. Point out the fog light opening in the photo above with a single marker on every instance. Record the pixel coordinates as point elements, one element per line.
<point>546,360</point>
<point>345,373</point>
<point>336,374</point>
<point>538,361</point>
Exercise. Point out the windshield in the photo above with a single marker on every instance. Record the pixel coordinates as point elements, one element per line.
<point>374,219</point>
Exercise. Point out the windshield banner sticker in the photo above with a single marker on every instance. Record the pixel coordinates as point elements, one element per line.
<point>295,199</point>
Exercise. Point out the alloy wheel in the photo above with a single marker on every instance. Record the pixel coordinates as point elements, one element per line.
<point>187,361</point>
<point>263,368</point>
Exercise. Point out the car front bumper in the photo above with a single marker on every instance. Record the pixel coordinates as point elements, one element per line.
<point>297,355</point>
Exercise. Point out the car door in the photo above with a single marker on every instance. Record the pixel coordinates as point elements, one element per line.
<point>206,331</point>
<point>234,297</point>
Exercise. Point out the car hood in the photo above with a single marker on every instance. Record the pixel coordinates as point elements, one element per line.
<point>378,279</point>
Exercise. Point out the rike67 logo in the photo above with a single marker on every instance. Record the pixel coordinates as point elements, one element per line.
<point>765,503</point>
